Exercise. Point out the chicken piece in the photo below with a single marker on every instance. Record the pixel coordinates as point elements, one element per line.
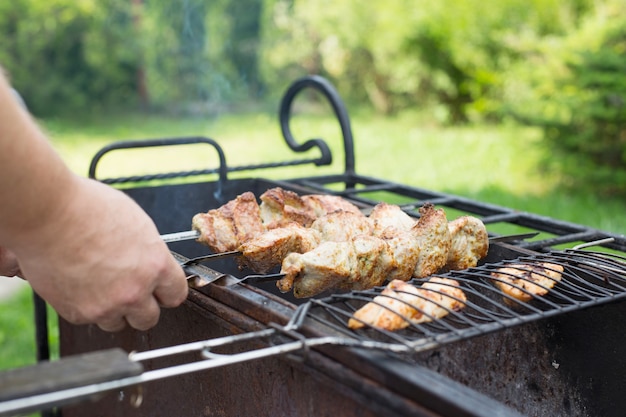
<point>432,236</point>
<point>390,219</point>
<point>280,207</point>
<point>322,204</point>
<point>525,281</point>
<point>268,249</point>
<point>401,304</point>
<point>405,254</point>
<point>225,228</point>
<point>360,263</point>
<point>341,226</point>
<point>470,243</point>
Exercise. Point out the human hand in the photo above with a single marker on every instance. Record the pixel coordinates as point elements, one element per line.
<point>102,261</point>
<point>9,266</point>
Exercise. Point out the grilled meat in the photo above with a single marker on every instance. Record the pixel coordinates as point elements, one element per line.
<point>401,304</point>
<point>470,243</point>
<point>362,262</point>
<point>341,226</point>
<point>280,207</point>
<point>432,236</point>
<point>322,204</point>
<point>225,228</point>
<point>268,249</point>
<point>525,281</point>
<point>390,219</point>
<point>406,255</point>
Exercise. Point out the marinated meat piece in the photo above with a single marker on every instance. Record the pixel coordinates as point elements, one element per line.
<point>341,226</point>
<point>322,204</point>
<point>362,262</point>
<point>470,243</point>
<point>432,236</point>
<point>225,228</point>
<point>526,281</point>
<point>323,267</point>
<point>280,207</point>
<point>389,219</point>
<point>405,253</point>
<point>268,249</point>
<point>401,304</point>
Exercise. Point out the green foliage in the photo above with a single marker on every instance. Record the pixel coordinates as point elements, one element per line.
<point>66,54</point>
<point>581,105</point>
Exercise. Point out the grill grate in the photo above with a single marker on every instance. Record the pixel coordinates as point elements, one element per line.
<point>588,279</point>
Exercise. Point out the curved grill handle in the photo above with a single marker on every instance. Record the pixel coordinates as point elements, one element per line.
<point>222,171</point>
<point>326,88</point>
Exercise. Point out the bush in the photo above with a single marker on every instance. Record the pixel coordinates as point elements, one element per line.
<point>582,111</point>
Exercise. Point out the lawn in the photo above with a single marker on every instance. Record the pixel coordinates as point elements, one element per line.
<point>497,164</point>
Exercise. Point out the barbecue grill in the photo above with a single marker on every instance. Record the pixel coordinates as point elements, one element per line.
<point>238,347</point>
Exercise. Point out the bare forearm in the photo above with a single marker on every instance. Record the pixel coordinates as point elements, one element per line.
<point>31,174</point>
<point>86,248</point>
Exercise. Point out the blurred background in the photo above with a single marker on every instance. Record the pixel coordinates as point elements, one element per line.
<point>519,103</point>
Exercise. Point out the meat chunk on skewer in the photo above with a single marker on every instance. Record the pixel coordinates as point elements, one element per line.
<point>524,281</point>
<point>401,304</point>
<point>363,262</point>
<point>470,243</point>
<point>225,228</point>
<point>390,219</point>
<point>432,236</point>
<point>322,204</point>
<point>268,249</point>
<point>280,207</point>
<point>406,255</point>
<point>341,226</point>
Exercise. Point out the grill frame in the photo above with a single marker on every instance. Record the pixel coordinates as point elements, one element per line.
<point>379,380</point>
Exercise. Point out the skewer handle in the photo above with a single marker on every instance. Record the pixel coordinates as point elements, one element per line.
<point>180,236</point>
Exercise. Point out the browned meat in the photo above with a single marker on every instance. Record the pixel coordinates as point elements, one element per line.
<point>525,281</point>
<point>470,243</point>
<point>341,226</point>
<point>362,262</point>
<point>389,219</point>
<point>322,204</point>
<point>268,249</point>
<point>401,304</point>
<point>280,207</point>
<point>225,228</point>
<point>432,236</point>
<point>405,253</point>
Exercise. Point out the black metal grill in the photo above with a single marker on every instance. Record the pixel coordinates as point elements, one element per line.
<point>588,279</point>
<point>380,381</point>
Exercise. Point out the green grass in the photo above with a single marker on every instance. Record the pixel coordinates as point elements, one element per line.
<point>496,164</point>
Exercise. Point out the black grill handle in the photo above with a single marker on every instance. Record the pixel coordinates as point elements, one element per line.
<point>324,86</point>
<point>222,171</point>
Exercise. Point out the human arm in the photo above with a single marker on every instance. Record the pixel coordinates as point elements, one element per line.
<point>90,251</point>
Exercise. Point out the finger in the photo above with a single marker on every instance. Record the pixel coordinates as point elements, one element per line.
<point>9,266</point>
<point>144,316</point>
<point>172,289</point>
<point>113,324</point>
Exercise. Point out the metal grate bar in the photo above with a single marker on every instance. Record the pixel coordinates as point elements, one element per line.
<point>587,279</point>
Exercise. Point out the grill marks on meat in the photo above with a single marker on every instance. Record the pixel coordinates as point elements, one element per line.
<point>401,304</point>
<point>524,281</point>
